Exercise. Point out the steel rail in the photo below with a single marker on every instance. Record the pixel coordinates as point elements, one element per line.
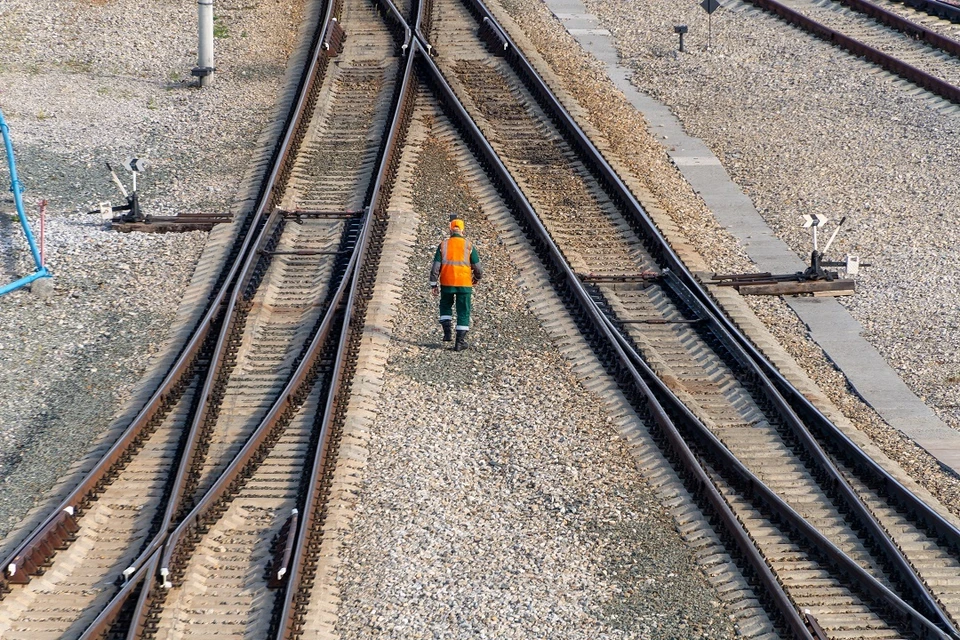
<point>234,319</point>
<point>893,554</point>
<point>904,25</point>
<point>250,455</point>
<point>108,617</point>
<point>289,624</point>
<point>701,483</point>
<point>948,10</point>
<point>894,65</point>
<point>282,157</point>
<point>812,417</point>
<point>322,53</point>
<point>289,398</point>
<point>152,548</point>
<point>679,445</point>
<point>706,439</point>
<point>293,394</point>
<point>901,567</point>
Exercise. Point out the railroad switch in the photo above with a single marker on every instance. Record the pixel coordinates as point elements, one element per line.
<point>135,220</point>
<point>815,279</point>
<point>134,214</point>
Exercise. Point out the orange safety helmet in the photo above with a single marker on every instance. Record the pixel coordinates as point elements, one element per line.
<point>456,223</point>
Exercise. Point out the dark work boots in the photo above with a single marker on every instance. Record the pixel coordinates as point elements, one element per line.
<point>461,343</point>
<point>447,330</point>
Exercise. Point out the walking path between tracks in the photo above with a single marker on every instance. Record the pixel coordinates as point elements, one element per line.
<point>829,323</point>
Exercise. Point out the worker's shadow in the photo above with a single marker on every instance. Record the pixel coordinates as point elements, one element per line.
<point>430,345</point>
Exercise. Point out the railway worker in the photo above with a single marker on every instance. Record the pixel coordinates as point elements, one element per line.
<point>456,266</point>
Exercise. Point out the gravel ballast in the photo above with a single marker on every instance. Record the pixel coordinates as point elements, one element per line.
<point>83,83</point>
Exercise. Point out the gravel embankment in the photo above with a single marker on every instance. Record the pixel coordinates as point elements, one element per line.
<point>83,83</point>
<point>91,81</point>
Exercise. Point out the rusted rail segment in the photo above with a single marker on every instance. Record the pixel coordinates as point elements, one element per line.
<point>888,62</point>
<point>165,224</point>
<point>698,300</point>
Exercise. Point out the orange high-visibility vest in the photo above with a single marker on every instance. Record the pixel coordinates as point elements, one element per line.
<point>455,262</point>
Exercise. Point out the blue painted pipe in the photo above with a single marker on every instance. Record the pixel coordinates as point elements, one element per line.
<point>18,200</point>
<point>22,282</point>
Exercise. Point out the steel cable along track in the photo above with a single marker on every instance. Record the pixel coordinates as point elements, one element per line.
<point>720,388</point>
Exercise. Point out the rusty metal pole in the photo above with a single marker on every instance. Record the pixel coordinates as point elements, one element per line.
<point>204,69</point>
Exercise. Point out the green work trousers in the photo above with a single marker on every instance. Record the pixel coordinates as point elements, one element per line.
<point>461,297</point>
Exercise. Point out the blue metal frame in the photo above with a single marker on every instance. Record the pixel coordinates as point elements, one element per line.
<point>17,190</point>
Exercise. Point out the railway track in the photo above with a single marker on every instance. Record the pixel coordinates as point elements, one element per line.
<point>204,519</point>
<point>339,166</point>
<point>239,467</point>
<point>582,219</point>
<point>918,47</point>
<point>947,9</point>
<point>927,17</point>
